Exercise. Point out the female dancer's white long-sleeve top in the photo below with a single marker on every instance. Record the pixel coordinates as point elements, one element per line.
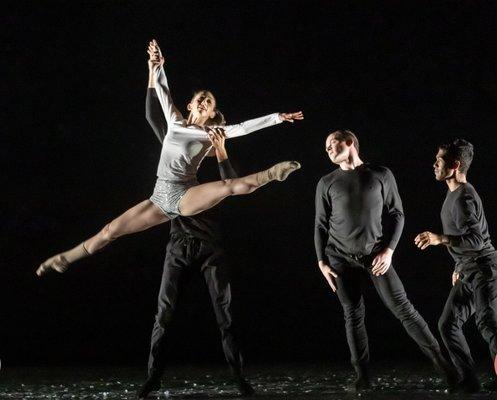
<point>184,146</point>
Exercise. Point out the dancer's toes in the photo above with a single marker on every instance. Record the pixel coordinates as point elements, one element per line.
<point>287,167</point>
<point>57,263</point>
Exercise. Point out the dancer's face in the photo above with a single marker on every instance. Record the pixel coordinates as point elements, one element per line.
<point>441,167</point>
<point>203,105</point>
<point>338,150</point>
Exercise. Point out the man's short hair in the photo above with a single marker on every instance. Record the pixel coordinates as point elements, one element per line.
<point>459,150</point>
<point>344,135</point>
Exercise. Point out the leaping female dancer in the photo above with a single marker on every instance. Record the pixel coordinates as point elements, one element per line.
<point>177,191</point>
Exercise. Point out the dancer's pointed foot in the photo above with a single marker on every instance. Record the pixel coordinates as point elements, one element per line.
<point>150,385</point>
<point>244,387</point>
<point>278,172</point>
<point>61,262</point>
<point>57,263</point>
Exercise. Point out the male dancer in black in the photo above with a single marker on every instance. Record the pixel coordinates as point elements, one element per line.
<point>194,242</point>
<point>474,280</point>
<point>351,243</point>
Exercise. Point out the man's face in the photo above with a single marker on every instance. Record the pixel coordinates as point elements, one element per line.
<point>337,150</point>
<point>441,167</point>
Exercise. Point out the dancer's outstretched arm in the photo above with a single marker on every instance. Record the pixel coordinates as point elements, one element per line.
<point>255,124</point>
<point>157,79</point>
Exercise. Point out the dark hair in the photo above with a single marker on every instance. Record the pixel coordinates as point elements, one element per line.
<point>459,150</point>
<point>219,117</point>
<point>345,134</point>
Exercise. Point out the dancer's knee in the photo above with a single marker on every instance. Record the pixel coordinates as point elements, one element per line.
<point>238,186</point>
<point>110,232</point>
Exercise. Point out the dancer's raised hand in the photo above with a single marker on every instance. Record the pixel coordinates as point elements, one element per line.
<point>291,117</point>
<point>155,60</point>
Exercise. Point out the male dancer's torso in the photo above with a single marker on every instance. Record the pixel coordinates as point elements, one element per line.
<point>349,208</point>
<point>463,220</point>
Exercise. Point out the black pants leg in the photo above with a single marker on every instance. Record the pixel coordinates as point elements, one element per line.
<point>457,310</point>
<point>392,293</point>
<point>217,280</point>
<point>485,300</point>
<point>173,279</point>
<point>350,295</point>
<point>478,295</point>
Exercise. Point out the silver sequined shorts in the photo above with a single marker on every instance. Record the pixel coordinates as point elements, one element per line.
<point>168,194</point>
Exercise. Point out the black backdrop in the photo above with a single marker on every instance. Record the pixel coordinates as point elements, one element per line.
<point>76,151</point>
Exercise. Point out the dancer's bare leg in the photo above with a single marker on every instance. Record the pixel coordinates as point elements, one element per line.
<point>202,197</point>
<point>138,218</point>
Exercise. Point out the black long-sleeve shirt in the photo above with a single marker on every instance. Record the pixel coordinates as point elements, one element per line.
<point>464,222</point>
<point>349,209</point>
<point>202,226</point>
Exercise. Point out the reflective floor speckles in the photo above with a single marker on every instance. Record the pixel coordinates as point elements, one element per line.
<point>305,382</point>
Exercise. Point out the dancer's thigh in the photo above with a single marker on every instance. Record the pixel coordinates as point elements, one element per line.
<point>202,197</point>
<point>138,218</point>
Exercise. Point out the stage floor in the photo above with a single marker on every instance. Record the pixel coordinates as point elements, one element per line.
<point>303,381</point>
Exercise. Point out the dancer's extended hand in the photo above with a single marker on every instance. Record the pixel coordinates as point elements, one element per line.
<point>382,262</point>
<point>455,277</point>
<point>329,275</point>
<point>425,239</point>
<point>290,117</point>
<point>155,60</point>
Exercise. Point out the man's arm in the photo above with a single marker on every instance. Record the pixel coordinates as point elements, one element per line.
<point>217,138</point>
<point>154,114</point>
<point>321,225</point>
<point>392,205</point>
<point>466,220</point>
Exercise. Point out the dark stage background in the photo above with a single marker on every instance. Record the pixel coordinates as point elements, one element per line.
<point>76,150</point>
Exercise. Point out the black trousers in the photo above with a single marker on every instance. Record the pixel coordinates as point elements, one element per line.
<point>351,274</point>
<point>474,294</point>
<point>185,252</point>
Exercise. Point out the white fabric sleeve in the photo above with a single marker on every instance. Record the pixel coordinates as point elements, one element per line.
<point>251,125</point>
<point>163,93</point>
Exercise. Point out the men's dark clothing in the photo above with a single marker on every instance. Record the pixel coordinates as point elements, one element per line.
<point>349,208</point>
<point>184,254</point>
<point>195,242</point>
<point>349,232</point>
<point>463,220</point>
<point>351,276</point>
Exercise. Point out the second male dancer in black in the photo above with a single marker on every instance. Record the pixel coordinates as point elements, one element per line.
<point>351,243</point>
<point>474,280</point>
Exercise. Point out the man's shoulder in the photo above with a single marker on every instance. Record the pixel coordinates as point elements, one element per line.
<point>328,178</point>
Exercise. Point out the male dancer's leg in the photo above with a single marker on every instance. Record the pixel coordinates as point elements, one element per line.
<point>220,292</point>
<point>392,293</point>
<point>350,295</point>
<point>216,278</point>
<point>457,310</point>
<point>485,302</point>
<point>173,278</point>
